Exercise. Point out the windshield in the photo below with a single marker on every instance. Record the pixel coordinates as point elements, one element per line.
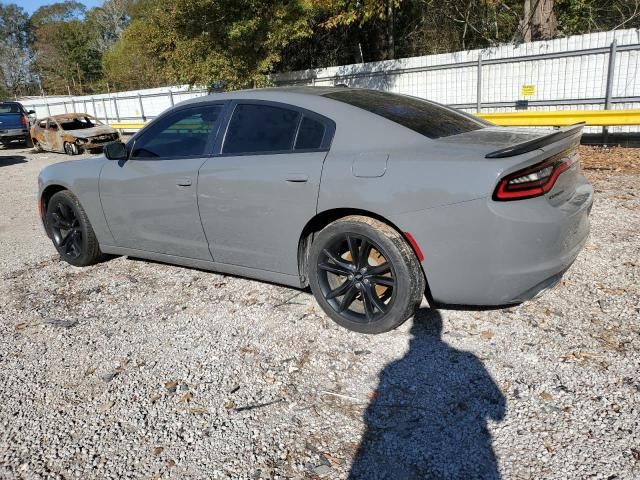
<point>9,108</point>
<point>78,123</point>
<point>427,118</point>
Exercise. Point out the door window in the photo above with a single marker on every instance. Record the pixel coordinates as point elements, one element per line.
<point>185,133</point>
<point>260,128</point>
<point>310,134</point>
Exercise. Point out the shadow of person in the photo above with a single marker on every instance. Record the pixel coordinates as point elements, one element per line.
<point>429,417</point>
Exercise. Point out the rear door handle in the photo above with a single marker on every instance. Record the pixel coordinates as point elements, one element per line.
<point>297,178</point>
<point>183,182</point>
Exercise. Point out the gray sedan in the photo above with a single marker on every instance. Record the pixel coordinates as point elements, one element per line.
<point>369,198</point>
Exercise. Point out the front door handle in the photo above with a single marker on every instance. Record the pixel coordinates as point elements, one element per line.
<point>297,177</point>
<point>183,182</point>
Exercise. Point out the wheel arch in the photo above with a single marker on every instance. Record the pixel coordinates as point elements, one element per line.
<point>48,192</point>
<point>322,219</point>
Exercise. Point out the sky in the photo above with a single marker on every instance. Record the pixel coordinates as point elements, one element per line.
<point>32,5</point>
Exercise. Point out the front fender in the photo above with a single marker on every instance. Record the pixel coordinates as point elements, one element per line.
<point>81,177</point>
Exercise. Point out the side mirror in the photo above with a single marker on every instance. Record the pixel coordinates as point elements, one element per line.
<point>31,112</point>
<point>115,151</point>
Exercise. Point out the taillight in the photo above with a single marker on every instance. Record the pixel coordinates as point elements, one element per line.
<point>535,180</point>
<point>23,119</point>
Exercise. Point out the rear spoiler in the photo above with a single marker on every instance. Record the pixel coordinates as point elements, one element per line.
<point>536,143</point>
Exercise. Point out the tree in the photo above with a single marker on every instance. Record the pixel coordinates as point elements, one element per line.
<point>66,57</point>
<point>14,55</point>
<point>200,42</point>
<point>109,22</point>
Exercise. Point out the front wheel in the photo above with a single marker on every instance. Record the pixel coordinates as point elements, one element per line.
<point>364,275</point>
<point>68,226</point>
<point>71,148</point>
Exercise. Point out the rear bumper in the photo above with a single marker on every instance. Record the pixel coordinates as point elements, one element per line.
<point>14,134</point>
<point>488,253</point>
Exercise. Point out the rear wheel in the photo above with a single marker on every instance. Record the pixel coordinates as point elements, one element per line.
<point>69,227</point>
<point>36,145</point>
<point>364,275</point>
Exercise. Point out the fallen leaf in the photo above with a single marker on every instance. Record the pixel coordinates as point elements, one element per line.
<point>90,371</point>
<point>546,396</point>
<point>171,462</point>
<point>229,404</point>
<point>246,350</point>
<point>106,406</point>
<point>487,335</point>
<point>157,451</point>
<point>198,409</point>
<point>186,398</point>
<point>155,397</point>
<point>171,385</point>
<point>372,395</point>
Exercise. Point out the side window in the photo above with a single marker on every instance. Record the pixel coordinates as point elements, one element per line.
<point>51,125</point>
<point>42,124</point>
<point>310,134</point>
<point>185,133</point>
<point>260,128</point>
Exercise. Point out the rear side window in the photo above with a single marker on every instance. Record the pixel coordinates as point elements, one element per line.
<point>429,119</point>
<point>310,134</point>
<point>9,108</point>
<point>184,133</point>
<point>260,128</point>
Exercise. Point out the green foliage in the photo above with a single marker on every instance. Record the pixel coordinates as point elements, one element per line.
<point>131,44</point>
<point>15,74</point>
<point>66,59</point>
<point>586,16</point>
<point>204,41</point>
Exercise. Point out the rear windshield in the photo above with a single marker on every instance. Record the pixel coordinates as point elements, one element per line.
<point>9,108</point>
<point>429,119</point>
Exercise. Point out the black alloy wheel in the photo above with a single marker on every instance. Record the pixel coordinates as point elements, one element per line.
<point>69,228</point>
<point>364,274</point>
<point>65,230</point>
<point>356,279</point>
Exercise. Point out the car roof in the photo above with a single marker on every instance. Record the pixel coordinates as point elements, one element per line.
<point>70,115</point>
<point>275,93</point>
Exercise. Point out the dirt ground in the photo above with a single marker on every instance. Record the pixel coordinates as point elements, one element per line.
<point>133,369</point>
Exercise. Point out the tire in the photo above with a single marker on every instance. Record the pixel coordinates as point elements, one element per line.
<point>71,148</point>
<point>36,146</point>
<point>376,293</point>
<point>69,228</point>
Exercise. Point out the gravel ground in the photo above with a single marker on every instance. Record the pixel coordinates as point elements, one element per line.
<point>130,369</point>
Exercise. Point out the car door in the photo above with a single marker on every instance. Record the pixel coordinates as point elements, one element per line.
<point>54,142</point>
<point>257,194</point>
<point>149,200</point>
<point>40,133</point>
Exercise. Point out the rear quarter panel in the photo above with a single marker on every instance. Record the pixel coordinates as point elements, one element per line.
<point>81,177</point>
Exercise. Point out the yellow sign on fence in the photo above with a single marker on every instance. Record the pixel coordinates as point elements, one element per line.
<point>528,90</point>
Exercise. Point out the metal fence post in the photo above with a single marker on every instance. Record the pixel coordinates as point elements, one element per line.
<point>104,107</point>
<point>479,86</point>
<point>171,98</point>
<point>93,104</point>
<point>115,108</point>
<point>609,91</point>
<point>141,108</point>
<point>46,102</point>
<point>65,107</point>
